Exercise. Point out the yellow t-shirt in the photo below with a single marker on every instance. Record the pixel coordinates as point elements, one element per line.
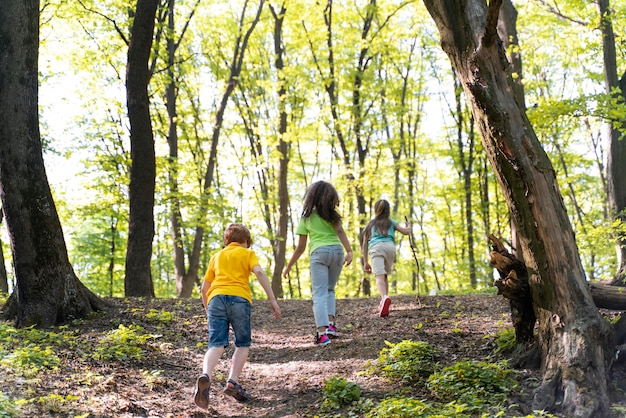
<point>229,271</point>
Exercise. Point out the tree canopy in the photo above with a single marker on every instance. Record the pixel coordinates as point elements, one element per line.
<point>370,103</point>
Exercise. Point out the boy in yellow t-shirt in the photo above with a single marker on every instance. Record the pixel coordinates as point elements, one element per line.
<point>227,301</point>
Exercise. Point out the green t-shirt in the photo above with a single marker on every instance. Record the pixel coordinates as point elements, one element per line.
<point>320,232</point>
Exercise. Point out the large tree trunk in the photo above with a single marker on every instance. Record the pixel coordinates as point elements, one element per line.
<point>616,155</point>
<point>4,280</point>
<point>47,289</point>
<point>138,278</point>
<point>577,344</point>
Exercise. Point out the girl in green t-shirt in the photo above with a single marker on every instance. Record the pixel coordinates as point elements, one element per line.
<point>322,223</point>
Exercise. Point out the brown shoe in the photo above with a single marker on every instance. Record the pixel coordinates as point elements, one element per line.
<point>235,390</point>
<point>203,390</point>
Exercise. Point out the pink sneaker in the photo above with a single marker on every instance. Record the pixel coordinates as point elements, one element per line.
<point>331,331</point>
<point>384,307</point>
<point>321,339</point>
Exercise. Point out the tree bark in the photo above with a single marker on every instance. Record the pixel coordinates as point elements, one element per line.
<point>236,65</point>
<point>577,344</point>
<point>4,280</point>
<point>283,151</point>
<point>47,289</point>
<point>616,155</point>
<point>138,278</point>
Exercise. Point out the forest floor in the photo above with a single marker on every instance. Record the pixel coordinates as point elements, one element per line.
<point>285,372</point>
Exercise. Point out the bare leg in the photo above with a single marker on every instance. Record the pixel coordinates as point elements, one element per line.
<point>211,357</point>
<point>382,284</point>
<point>240,356</point>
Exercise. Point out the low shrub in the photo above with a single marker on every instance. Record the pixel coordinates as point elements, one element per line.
<point>408,361</point>
<point>339,392</point>
<point>474,383</point>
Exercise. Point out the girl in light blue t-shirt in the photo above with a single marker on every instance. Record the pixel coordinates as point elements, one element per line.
<point>379,244</point>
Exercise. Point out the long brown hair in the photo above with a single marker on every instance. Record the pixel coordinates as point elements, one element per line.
<point>323,197</point>
<point>382,220</point>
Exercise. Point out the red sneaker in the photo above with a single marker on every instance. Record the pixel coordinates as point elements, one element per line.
<point>384,307</point>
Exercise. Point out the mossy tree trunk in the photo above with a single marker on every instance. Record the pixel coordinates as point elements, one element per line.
<point>577,344</point>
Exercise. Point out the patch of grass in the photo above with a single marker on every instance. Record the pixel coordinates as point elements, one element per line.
<point>407,361</point>
<point>339,392</point>
<point>8,407</point>
<point>506,341</point>
<point>161,316</point>
<point>474,383</point>
<point>57,404</point>
<point>402,407</point>
<point>122,344</point>
<point>28,361</point>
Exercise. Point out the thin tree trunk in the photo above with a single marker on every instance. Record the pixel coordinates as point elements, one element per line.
<point>138,278</point>
<point>239,50</point>
<point>577,344</point>
<point>283,151</point>
<point>184,281</point>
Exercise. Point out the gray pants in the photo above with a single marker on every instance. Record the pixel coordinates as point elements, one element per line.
<point>326,265</point>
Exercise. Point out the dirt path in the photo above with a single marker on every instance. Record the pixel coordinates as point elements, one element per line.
<point>285,372</point>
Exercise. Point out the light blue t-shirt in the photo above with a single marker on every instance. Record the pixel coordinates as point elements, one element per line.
<point>377,237</point>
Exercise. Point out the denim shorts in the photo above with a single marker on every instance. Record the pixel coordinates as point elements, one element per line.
<point>227,310</point>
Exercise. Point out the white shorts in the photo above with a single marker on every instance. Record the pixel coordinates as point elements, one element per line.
<point>383,255</point>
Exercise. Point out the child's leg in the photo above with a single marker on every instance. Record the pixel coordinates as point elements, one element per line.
<point>211,357</point>
<point>382,284</point>
<point>319,285</point>
<point>334,271</point>
<point>240,356</point>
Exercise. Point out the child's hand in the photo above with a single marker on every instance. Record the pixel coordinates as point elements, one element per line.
<point>286,271</point>
<point>367,268</point>
<point>348,259</point>
<point>276,309</point>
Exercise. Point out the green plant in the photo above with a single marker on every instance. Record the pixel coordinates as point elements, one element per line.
<point>160,316</point>
<point>55,403</point>
<point>122,344</point>
<point>8,408</point>
<point>413,408</point>
<point>505,341</point>
<point>408,361</point>
<point>339,392</point>
<point>29,360</point>
<point>474,383</point>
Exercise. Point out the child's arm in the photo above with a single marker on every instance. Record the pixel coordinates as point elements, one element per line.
<point>364,249</point>
<point>265,283</point>
<point>344,241</point>
<point>206,284</point>
<point>205,288</point>
<point>296,254</point>
<point>405,230</point>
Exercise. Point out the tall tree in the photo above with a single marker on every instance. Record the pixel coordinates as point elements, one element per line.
<point>184,281</point>
<point>47,289</point>
<point>4,280</point>
<point>245,29</point>
<point>138,278</point>
<point>577,344</point>
<point>283,149</point>
<point>616,145</point>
